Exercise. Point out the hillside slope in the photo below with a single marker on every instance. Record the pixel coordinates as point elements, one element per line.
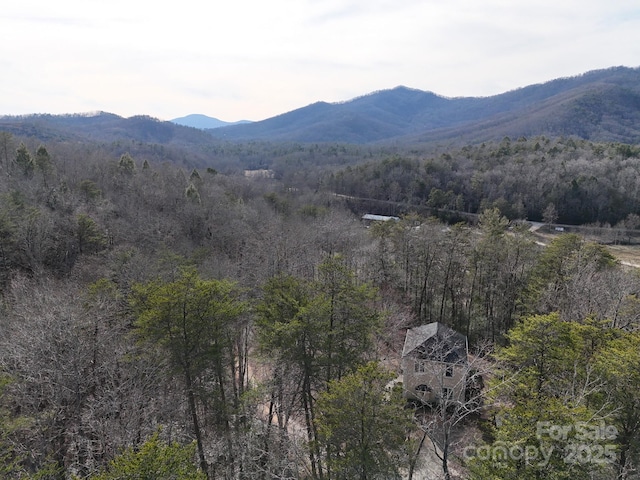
<point>602,105</point>
<point>598,105</point>
<point>103,127</point>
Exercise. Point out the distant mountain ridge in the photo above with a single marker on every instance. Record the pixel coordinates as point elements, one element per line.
<point>601,105</point>
<point>203,122</point>
<point>597,105</point>
<point>102,127</point>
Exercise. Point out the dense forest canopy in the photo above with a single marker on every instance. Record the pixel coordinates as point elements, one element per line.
<point>587,182</point>
<point>163,320</point>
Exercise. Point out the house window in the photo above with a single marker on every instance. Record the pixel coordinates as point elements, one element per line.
<point>419,366</point>
<point>447,393</point>
<point>448,372</point>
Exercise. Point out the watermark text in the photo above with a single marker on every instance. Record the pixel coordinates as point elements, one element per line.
<point>578,443</point>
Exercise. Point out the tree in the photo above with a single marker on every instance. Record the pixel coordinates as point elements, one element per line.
<point>9,459</point>
<point>617,363</point>
<point>195,176</point>
<point>44,351</point>
<point>363,426</point>
<point>345,310</point>
<point>126,164</point>
<point>320,330</point>
<point>630,224</point>
<point>287,334</point>
<point>24,161</point>
<point>567,265</point>
<point>6,140</point>
<point>453,264</point>
<point>547,385</point>
<point>90,239</point>
<point>155,460</point>
<point>10,251</point>
<point>43,163</point>
<point>550,215</point>
<point>194,321</point>
<point>78,389</point>
<point>90,191</point>
<point>191,193</point>
<point>500,263</point>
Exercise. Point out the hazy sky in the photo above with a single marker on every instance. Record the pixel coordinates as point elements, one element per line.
<point>253,59</point>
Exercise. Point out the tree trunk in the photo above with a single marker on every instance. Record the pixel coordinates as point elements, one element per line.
<point>310,436</point>
<point>445,460</point>
<point>191,399</point>
<point>414,460</point>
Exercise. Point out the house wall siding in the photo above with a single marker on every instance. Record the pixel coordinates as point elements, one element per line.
<point>434,376</point>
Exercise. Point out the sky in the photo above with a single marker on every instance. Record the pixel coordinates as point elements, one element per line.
<point>254,59</point>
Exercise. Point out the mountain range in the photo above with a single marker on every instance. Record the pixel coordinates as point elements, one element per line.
<point>601,105</point>
<point>598,105</point>
<point>203,122</point>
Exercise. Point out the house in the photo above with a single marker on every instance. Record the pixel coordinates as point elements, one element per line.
<point>434,364</point>
<point>368,218</point>
<point>260,173</point>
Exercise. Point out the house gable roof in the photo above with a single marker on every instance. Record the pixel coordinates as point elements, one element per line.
<point>435,341</point>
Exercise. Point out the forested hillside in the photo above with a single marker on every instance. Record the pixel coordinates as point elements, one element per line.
<point>158,321</point>
<point>586,182</point>
<point>601,105</point>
